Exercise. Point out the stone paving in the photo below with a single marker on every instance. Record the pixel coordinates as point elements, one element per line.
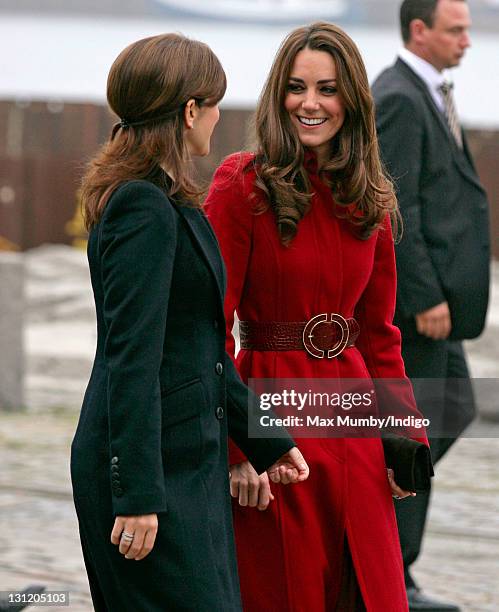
<point>39,537</point>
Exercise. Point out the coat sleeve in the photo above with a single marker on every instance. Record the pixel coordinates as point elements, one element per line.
<point>401,138</point>
<point>230,215</point>
<point>137,249</point>
<point>379,340</point>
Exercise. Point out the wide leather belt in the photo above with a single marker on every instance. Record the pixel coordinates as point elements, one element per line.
<point>325,335</point>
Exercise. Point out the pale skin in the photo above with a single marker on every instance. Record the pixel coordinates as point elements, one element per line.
<point>442,45</point>
<point>434,323</point>
<point>199,123</point>
<point>253,489</point>
<point>315,107</point>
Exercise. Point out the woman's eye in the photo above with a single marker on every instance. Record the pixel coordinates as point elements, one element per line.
<point>294,87</point>
<point>329,90</point>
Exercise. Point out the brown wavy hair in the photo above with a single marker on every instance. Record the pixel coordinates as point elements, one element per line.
<point>353,170</point>
<point>148,87</point>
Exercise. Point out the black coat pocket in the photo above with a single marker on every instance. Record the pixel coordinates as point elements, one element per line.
<point>181,435</point>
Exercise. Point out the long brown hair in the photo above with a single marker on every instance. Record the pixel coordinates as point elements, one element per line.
<point>353,170</point>
<point>148,86</point>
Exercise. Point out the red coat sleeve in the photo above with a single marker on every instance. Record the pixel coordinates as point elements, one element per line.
<point>230,213</point>
<point>379,341</point>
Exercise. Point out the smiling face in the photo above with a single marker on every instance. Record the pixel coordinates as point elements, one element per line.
<point>313,102</point>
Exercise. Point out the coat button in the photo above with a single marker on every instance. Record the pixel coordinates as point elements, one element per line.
<point>114,468</point>
<point>115,477</point>
<point>219,369</point>
<point>219,413</point>
<point>118,492</point>
<point>114,460</point>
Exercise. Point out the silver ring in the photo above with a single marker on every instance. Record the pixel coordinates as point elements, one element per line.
<point>127,536</point>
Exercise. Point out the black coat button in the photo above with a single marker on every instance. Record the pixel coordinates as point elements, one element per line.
<point>118,492</point>
<point>115,477</point>
<point>219,413</point>
<point>114,468</point>
<point>219,369</point>
<point>114,460</point>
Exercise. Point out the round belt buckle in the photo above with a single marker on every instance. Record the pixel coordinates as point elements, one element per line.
<point>308,335</point>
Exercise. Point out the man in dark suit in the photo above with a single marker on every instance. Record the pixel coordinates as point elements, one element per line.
<point>443,256</point>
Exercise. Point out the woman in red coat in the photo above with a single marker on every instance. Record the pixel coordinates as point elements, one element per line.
<point>295,246</point>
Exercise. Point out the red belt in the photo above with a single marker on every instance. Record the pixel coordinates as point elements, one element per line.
<point>325,335</point>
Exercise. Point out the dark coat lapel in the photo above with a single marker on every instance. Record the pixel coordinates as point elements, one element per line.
<point>421,85</point>
<point>203,234</point>
<point>463,158</point>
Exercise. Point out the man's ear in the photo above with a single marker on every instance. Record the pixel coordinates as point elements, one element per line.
<point>190,113</point>
<point>417,29</point>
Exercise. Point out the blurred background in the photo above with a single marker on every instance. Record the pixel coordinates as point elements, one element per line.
<point>55,56</point>
<point>55,61</point>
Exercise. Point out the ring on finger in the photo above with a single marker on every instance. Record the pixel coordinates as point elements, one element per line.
<point>127,536</point>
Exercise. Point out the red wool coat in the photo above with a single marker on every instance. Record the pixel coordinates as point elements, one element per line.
<point>290,556</point>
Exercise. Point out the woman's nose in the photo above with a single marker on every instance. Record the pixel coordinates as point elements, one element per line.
<point>310,103</point>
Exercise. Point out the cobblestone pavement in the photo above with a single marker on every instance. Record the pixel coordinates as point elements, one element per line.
<point>39,535</point>
<point>39,538</point>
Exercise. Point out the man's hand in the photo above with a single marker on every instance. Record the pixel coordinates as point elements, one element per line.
<point>291,467</point>
<point>135,535</point>
<point>435,322</point>
<point>248,487</point>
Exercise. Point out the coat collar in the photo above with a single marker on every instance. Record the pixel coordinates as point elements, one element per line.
<point>204,236</point>
<point>463,158</point>
<point>403,67</point>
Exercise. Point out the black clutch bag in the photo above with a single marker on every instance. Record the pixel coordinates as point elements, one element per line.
<point>410,461</point>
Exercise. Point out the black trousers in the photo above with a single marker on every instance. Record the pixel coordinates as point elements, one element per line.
<point>444,394</point>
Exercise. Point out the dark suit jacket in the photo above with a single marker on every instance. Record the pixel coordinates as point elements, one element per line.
<point>444,252</point>
<point>162,399</point>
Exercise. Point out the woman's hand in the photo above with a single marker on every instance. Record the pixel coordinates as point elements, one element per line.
<point>135,535</point>
<point>397,492</point>
<point>250,488</point>
<point>291,467</point>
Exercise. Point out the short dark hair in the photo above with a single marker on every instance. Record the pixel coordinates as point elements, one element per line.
<point>416,9</point>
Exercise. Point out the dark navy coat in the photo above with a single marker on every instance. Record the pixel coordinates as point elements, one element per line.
<point>162,399</point>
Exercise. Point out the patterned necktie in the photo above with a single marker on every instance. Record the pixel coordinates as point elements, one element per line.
<point>450,112</point>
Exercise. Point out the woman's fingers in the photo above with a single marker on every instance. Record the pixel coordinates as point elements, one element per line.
<point>243,493</point>
<point>397,492</point>
<point>136,544</point>
<point>244,483</point>
<point>135,535</point>
<point>264,494</point>
<point>253,488</point>
<point>126,539</point>
<point>148,545</point>
<point>289,468</point>
<point>119,523</point>
<point>234,487</point>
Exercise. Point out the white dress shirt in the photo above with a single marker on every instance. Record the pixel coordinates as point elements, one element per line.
<point>428,73</point>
